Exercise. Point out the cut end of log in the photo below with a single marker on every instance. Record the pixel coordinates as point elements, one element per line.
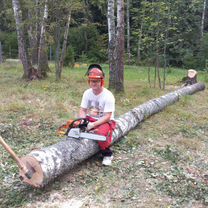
<point>34,176</point>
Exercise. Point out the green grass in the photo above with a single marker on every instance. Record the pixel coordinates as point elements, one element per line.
<point>32,111</point>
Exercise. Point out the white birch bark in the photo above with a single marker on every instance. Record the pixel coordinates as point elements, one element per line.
<point>139,44</point>
<point>111,42</point>
<point>120,47</point>
<point>63,156</point>
<point>165,47</point>
<point>128,30</point>
<point>21,38</point>
<point>33,32</point>
<point>58,45</point>
<point>30,31</point>
<point>64,45</point>
<point>42,65</point>
<point>203,18</point>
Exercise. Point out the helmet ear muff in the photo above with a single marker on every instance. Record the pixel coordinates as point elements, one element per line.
<point>102,82</point>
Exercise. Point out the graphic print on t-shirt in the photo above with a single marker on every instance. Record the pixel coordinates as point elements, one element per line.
<point>95,109</point>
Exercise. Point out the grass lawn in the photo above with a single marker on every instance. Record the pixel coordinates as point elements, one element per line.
<point>162,163</point>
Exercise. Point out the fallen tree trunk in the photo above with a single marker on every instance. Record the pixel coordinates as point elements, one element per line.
<point>50,162</point>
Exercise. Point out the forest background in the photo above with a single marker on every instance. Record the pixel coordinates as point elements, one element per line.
<point>158,33</point>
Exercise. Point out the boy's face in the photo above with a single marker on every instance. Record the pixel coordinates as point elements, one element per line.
<point>95,84</point>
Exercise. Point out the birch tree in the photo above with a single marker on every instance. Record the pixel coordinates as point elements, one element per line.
<point>157,53</point>
<point>116,45</point>
<point>60,61</point>
<point>69,7</point>
<point>128,29</point>
<point>203,18</point>
<point>34,30</point>
<point>120,47</point>
<point>23,51</point>
<point>36,36</point>
<point>42,49</point>
<point>139,43</point>
<point>111,43</point>
<point>168,22</point>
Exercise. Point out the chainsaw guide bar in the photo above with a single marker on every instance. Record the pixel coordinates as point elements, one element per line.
<point>77,133</point>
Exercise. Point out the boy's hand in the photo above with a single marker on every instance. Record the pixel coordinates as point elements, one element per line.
<point>90,126</point>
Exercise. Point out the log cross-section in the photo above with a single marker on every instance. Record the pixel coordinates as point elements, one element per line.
<point>59,158</point>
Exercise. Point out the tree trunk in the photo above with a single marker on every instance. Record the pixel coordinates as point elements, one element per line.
<point>128,30</point>
<point>60,54</point>
<point>148,75</point>
<point>33,34</point>
<point>42,51</point>
<point>58,45</point>
<point>50,53</point>
<point>155,74</point>
<point>37,29</point>
<point>203,18</point>
<point>120,47</point>
<point>111,43</point>
<point>1,56</point>
<point>158,70</point>
<point>165,48</point>
<point>139,45</point>
<point>85,41</point>
<point>66,32</point>
<point>23,53</point>
<point>52,161</point>
<point>157,63</point>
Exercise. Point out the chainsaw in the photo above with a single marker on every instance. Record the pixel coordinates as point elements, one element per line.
<point>77,129</point>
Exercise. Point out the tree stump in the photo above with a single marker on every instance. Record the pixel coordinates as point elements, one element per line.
<point>191,77</point>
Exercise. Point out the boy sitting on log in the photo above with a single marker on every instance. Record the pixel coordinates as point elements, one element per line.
<point>98,106</point>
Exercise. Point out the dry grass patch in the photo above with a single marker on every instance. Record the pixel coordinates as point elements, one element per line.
<point>162,163</point>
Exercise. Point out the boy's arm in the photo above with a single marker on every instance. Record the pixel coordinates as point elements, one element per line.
<point>82,112</point>
<point>100,121</point>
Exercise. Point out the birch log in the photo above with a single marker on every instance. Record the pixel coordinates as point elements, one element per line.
<point>52,161</point>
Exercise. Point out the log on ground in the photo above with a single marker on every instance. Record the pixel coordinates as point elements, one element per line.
<point>54,160</point>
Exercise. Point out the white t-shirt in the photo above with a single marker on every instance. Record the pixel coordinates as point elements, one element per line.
<point>98,105</point>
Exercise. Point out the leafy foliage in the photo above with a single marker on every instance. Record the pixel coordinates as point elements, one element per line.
<point>86,40</point>
<point>154,24</point>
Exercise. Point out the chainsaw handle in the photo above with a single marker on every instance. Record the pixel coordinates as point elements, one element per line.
<point>83,123</point>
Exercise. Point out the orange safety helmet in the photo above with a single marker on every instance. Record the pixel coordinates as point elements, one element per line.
<point>95,72</point>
